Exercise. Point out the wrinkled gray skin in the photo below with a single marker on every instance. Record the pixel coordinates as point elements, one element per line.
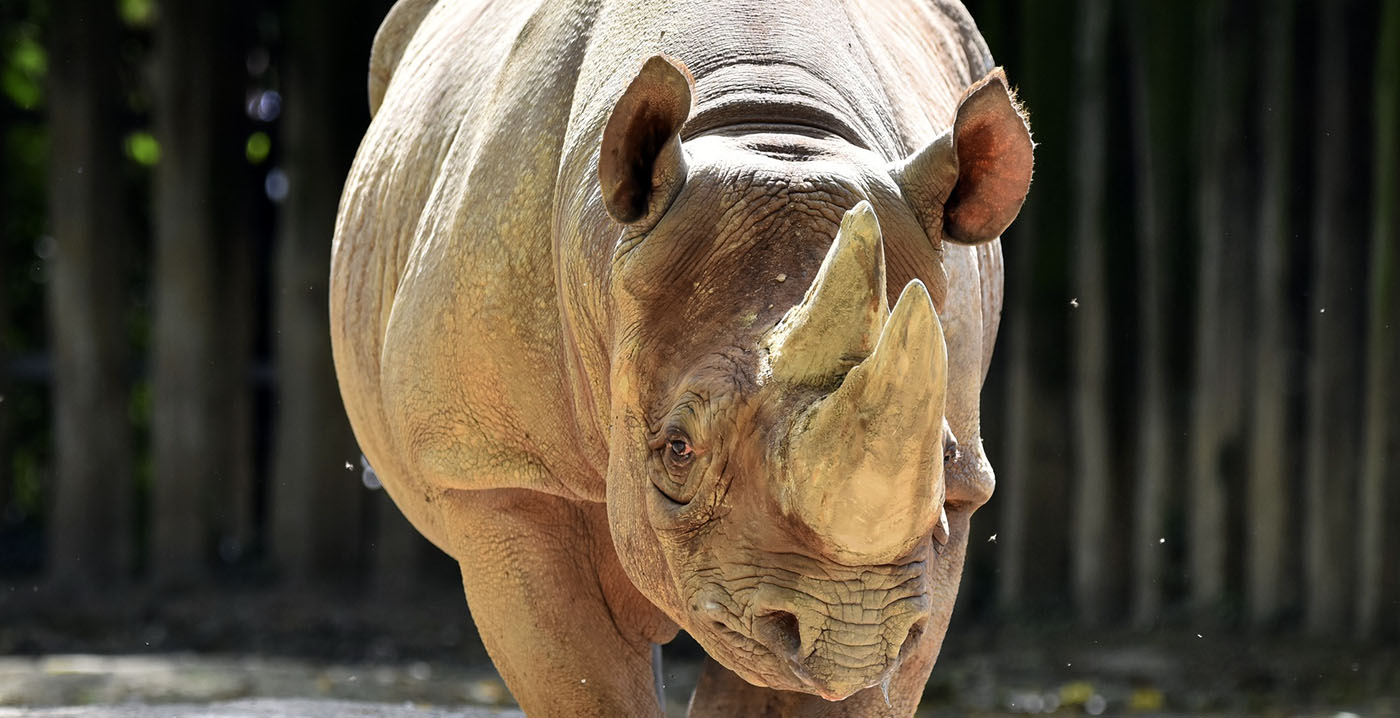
<point>566,374</point>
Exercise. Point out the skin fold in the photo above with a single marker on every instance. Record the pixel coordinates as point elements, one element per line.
<point>675,315</point>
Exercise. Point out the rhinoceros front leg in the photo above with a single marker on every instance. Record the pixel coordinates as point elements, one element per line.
<point>721,694</point>
<point>567,638</point>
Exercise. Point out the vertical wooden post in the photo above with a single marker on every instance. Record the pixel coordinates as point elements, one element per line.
<point>1379,550</point>
<point>1154,463</point>
<point>1335,366</point>
<point>1272,456</point>
<point>90,531</point>
<point>1092,488</point>
<point>1206,528</point>
<point>317,496</point>
<point>185,354</point>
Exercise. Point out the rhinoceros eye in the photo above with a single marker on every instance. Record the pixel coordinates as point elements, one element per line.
<point>678,458</point>
<point>680,453</point>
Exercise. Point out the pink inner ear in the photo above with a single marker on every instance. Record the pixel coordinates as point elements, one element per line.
<point>995,158</point>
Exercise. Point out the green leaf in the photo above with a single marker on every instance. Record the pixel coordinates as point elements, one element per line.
<point>22,78</point>
<point>137,13</point>
<point>142,147</point>
<point>258,147</point>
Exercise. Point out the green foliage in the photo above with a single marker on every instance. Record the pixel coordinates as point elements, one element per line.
<point>26,63</point>
<point>258,147</point>
<point>137,13</point>
<point>142,147</point>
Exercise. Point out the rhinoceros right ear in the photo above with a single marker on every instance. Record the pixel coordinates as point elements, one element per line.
<point>969,183</point>
<point>641,167</point>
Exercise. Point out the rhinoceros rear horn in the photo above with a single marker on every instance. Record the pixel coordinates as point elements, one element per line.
<point>641,167</point>
<point>970,183</point>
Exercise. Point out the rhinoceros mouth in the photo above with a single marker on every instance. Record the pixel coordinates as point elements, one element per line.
<point>826,630</point>
<point>786,670</point>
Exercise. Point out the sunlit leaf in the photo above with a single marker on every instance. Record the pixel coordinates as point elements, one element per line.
<point>137,13</point>
<point>143,148</point>
<point>23,75</point>
<point>29,57</point>
<point>258,147</point>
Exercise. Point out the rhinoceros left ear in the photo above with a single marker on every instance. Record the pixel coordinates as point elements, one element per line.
<point>641,167</point>
<point>972,180</point>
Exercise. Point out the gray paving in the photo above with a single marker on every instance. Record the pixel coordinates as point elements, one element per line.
<point>262,708</point>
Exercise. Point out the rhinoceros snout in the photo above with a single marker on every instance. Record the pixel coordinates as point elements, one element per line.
<point>838,651</point>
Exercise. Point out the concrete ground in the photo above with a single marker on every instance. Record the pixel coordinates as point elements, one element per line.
<point>262,708</point>
<point>200,686</point>
<point>1124,677</point>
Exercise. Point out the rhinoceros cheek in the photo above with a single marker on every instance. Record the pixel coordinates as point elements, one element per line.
<point>639,550</point>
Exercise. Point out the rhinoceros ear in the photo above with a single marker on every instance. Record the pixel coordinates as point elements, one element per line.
<point>641,166</point>
<point>976,173</point>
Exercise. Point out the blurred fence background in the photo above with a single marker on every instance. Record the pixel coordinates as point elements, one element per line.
<point>1194,408</point>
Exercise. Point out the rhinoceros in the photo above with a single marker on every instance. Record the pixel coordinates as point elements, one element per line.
<point>667,314</point>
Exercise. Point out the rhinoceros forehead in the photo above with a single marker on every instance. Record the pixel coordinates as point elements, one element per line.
<point>732,233</point>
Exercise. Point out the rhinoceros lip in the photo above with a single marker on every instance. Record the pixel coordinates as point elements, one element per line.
<point>789,664</point>
<point>794,664</point>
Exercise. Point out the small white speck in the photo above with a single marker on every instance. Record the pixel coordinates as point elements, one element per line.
<point>1074,303</point>
<point>781,277</point>
<point>349,467</point>
<point>1199,636</point>
<point>1322,310</point>
<point>992,538</point>
<point>583,680</point>
<point>1162,540</point>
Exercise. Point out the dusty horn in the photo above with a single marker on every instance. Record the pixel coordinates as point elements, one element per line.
<point>866,461</point>
<point>839,319</point>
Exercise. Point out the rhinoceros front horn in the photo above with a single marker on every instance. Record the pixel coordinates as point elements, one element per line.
<point>863,469</point>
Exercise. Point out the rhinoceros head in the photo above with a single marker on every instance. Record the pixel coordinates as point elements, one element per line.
<point>776,469</point>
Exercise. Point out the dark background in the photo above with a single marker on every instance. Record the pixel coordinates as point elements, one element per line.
<point>1194,408</point>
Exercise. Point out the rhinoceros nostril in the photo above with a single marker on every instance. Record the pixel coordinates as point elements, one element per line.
<point>780,631</point>
<point>912,639</point>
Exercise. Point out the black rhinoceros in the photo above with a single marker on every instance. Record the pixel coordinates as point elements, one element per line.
<point>610,303</point>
